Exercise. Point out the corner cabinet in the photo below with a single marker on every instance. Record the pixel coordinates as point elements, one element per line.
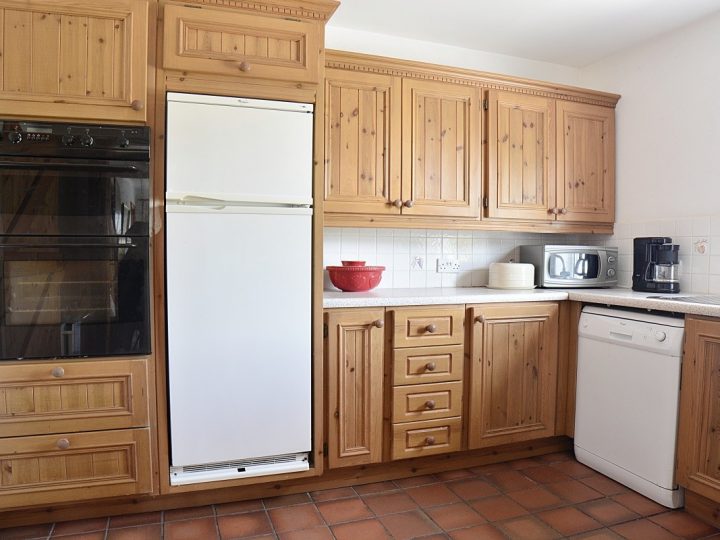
<point>81,60</point>
<point>513,373</point>
<point>699,426</point>
<point>354,387</point>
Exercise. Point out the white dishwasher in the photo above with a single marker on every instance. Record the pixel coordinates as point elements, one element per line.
<point>628,388</point>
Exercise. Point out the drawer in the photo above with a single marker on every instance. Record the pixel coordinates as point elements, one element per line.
<point>415,327</point>
<point>75,395</point>
<point>74,466</point>
<point>428,364</point>
<point>427,401</point>
<point>415,439</point>
<point>227,42</point>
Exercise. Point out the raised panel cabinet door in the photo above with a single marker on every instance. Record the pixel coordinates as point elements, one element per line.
<point>513,373</point>
<point>354,359</point>
<point>205,39</point>
<point>585,162</point>
<point>84,60</point>
<point>699,435</point>
<point>362,144</point>
<point>442,150</point>
<point>521,152</point>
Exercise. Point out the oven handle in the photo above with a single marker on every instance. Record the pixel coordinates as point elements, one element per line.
<point>83,245</point>
<point>67,166</point>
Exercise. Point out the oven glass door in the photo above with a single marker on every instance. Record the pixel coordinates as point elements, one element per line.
<point>73,296</point>
<point>573,265</point>
<point>51,196</point>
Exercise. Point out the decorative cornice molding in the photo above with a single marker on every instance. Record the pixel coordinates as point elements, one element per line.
<point>319,10</point>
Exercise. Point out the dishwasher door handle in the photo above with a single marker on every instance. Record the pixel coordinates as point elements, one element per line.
<point>621,334</point>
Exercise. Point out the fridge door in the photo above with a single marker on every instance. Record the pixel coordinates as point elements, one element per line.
<point>239,333</point>
<point>238,149</point>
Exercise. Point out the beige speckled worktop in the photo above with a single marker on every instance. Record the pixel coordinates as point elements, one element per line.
<point>481,295</point>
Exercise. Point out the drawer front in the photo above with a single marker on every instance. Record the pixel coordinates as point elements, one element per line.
<point>74,466</point>
<point>222,42</point>
<point>427,401</point>
<point>428,365</point>
<point>428,326</point>
<point>67,396</point>
<point>415,439</point>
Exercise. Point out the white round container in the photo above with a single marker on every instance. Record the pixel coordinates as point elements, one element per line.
<point>511,276</point>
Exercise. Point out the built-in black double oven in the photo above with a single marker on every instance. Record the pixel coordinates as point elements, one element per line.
<point>74,240</point>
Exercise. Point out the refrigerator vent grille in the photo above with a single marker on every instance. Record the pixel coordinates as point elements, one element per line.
<point>242,464</point>
<point>228,470</point>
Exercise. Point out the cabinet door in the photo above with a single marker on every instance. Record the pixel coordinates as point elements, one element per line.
<point>513,373</point>
<point>441,149</point>
<point>355,379</point>
<point>362,126</point>
<point>585,162</point>
<point>84,60</point>
<point>699,436</point>
<point>521,150</point>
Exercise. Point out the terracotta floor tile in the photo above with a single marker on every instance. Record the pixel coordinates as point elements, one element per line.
<point>390,503</point>
<point>536,498</point>
<point>293,518</point>
<point>333,494</point>
<point>545,474</point>
<point>574,469</point>
<point>96,535</point>
<point>470,490</point>
<point>524,464</point>
<point>573,491</point>
<point>409,525</point>
<point>132,520</point>
<point>27,531</point>
<point>642,529</point>
<point>417,481</point>
<point>528,528</point>
<point>639,504</point>
<point>498,508</point>
<point>601,534</point>
<point>608,512</point>
<point>455,516</point>
<point>80,526</point>
<point>244,525</point>
<point>510,480</point>
<point>569,520</point>
<point>318,533</point>
<point>432,495</point>
<point>370,529</point>
<point>492,468</point>
<point>481,532</point>
<point>188,513</point>
<point>455,475</point>
<point>343,510</point>
<point>191,529</point>
<point>142,532</point>
<point>556,457</point>
<point>604,485</point>
<point>375,487</point>
<point>683,524</point>
<point>287,500</point>
<point>438,536</point>
<point>239,507</point>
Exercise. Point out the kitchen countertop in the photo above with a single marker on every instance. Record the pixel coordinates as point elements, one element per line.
<point>484,295</point>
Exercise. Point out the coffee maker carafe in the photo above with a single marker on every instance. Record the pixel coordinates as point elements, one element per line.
<point>655,265</point>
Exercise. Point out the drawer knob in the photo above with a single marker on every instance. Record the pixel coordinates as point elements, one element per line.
<point>430,366</point>
<point>430,404</point>
<point>397,203</point>
<point>244,66</point>
<point>563,211</point>
<point>409,203</point>
<point>429,441</point>
<point>431,328</point>
<point>63,444</point>
<point>58,372</point>
<point>480,319</point>
<point>137,105</point>
<point>554,211</point>
<point>379,323</point>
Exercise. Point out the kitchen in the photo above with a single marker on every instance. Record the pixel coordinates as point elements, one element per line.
<point>369,203</point>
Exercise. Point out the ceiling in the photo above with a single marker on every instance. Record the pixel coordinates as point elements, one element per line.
<point>568,32</point>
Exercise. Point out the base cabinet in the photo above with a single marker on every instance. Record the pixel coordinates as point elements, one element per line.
<point>513,373</point>
<point>699,435</point>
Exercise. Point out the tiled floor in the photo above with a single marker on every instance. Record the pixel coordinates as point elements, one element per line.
<point>547,497</point>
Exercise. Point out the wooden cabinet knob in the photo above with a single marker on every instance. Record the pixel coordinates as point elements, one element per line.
<point>429,441</point>
<point>57,372</point>
<point>430,404</point>
<point>379,323</point>
<point>137,105</point>
<point>553,211</point>
<point>563,211</point>
<point>397,203</point>
<point>431,328</point>
<point>63,444</point>
<point>409,203</point>
<point>244,66</point>
<point>430,366</point>
<point>480,319</point>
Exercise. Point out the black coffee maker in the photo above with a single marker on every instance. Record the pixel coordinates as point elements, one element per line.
<point>655,265</point>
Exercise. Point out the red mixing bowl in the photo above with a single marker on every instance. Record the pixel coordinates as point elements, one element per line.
<point>355,278</point>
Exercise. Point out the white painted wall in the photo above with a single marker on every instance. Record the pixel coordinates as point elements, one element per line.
<point>346,39</point>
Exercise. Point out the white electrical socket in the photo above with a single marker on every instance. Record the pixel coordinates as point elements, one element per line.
<point>448,266</point>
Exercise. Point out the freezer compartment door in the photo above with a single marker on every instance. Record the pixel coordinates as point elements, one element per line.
<point>239,335</point>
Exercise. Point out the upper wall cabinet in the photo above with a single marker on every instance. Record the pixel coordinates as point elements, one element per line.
<point>79,60</point>
<point>205,39</point>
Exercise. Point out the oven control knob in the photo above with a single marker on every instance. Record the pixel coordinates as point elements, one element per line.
<point>68,139</point>
<point>611,272</point>
<point>86,139</point>
<point>660,336</point>
<point>611,259</point>
<point>15,137</point>
<point>124,142</point>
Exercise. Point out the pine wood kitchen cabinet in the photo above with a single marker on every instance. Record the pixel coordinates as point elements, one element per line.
<point>698,467</point>
<point>80,60</point>
<point>354,363</point>
<point>513,373</point>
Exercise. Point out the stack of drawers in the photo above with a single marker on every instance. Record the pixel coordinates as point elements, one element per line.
<point>427,373</point>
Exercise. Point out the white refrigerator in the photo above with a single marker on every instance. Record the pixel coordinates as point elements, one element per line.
<point>238,269</point>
